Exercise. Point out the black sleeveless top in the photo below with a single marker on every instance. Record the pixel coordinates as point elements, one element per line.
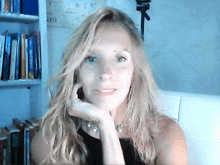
<point>94,147</point>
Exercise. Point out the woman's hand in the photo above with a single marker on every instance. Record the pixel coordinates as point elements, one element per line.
<point>112,152</point>
<point>87,111</point>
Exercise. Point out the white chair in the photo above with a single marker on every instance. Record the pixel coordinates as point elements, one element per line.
<point>199,117</point>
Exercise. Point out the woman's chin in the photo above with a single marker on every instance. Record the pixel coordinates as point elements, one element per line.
<point>106,107</point>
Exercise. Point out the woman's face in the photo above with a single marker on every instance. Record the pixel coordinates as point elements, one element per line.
<point>106,72</point>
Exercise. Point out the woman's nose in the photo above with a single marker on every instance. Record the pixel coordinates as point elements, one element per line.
<point>105,71</point>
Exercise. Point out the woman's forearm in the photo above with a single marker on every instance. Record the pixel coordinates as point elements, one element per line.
<point>112,152</point>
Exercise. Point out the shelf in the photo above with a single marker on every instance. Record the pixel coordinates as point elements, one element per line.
<point>19,83</point>
<point>19,18</point>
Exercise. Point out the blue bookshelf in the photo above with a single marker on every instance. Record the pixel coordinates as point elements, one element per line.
<point>19,18</point>
<point>19,83</point>
<point>25,98</point>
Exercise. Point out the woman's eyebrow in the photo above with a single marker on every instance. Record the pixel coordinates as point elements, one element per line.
<point>124,51</point>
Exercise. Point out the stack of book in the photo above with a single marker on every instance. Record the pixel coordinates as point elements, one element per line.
<point>15,141</point>
<point>20,56</point>
<point>29,7</point>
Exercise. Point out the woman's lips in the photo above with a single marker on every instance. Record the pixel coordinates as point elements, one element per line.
<point>105,91</point>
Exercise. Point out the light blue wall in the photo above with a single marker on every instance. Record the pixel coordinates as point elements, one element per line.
<point>181,41</point>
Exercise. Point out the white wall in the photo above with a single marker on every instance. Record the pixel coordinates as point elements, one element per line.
<point>182,39</point>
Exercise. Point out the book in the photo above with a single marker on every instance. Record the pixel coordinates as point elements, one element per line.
<point>12,134</point>
<point>7,6</point>
<point>2,48</point>
<point>23,58</point>
<point>35,58</point>
<point>11,6</point>
<point>28,142</point>
<point>20,125</point>
<point>16,7</point>
<point>3,145</point>
<point>29,7</point>
<point>26,145</point>
<point>13,59</point>
<point>38,54</point>
<point>31,57</point>
<point>6,58</point>
<point>2,6</point>
<point>26,56</point>
<point>34,123</point>
<point>17,36</point>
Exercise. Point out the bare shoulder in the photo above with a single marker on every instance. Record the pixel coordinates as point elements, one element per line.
<point>170,143</point>
<point>39,148</point>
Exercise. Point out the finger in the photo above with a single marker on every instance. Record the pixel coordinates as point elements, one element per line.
<point>85,111</point>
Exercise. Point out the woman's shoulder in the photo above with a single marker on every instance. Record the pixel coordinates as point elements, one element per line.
<point>170,142</point>
<point>39,148</point>
<point>167,129</point>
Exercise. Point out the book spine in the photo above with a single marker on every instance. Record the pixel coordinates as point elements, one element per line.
<point>17,6</point>
<point>39,52</point>
<point>2,6</point>
<point>13,59</point>
<point>7,6</point>
<point>15,148</point>
<point>28,148</point>
<point>18,50</point>
<point>25,145</point>
<point>8,148</point>
<point>31,58</point>
<point>6,61</point>
<point>4,154</point>
<point>36,71</point>
<point>2,48</point>
<point>18,124</point>
<point>23,58</point>
<point>3,145</point>
<point>12,6</point>
<point>26,56</point>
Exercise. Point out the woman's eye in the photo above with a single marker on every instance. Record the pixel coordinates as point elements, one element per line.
<point>90,59</point>
<point>121,59</point>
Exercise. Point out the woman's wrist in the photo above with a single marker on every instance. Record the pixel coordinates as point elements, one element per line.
<point>106,124</point>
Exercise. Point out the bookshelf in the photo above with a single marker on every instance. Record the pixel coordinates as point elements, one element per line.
<point>21,98</point>
<point>20,18</point>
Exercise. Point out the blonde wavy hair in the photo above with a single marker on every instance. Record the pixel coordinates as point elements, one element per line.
<point>60,129</point>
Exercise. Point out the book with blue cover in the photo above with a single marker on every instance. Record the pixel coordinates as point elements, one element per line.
<point>2,48</point>
<point>17,36</point>
<point>29,7</point>
<point>13,59</point>
<point>29,137</point>
<point>16,7</point>
<point>31,58</point>
<point>26,145</point>
<point>37,46</point>
<point>6,58</point>
<point>2,6</point>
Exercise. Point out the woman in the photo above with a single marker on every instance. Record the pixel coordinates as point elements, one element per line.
<point>104,110</point>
